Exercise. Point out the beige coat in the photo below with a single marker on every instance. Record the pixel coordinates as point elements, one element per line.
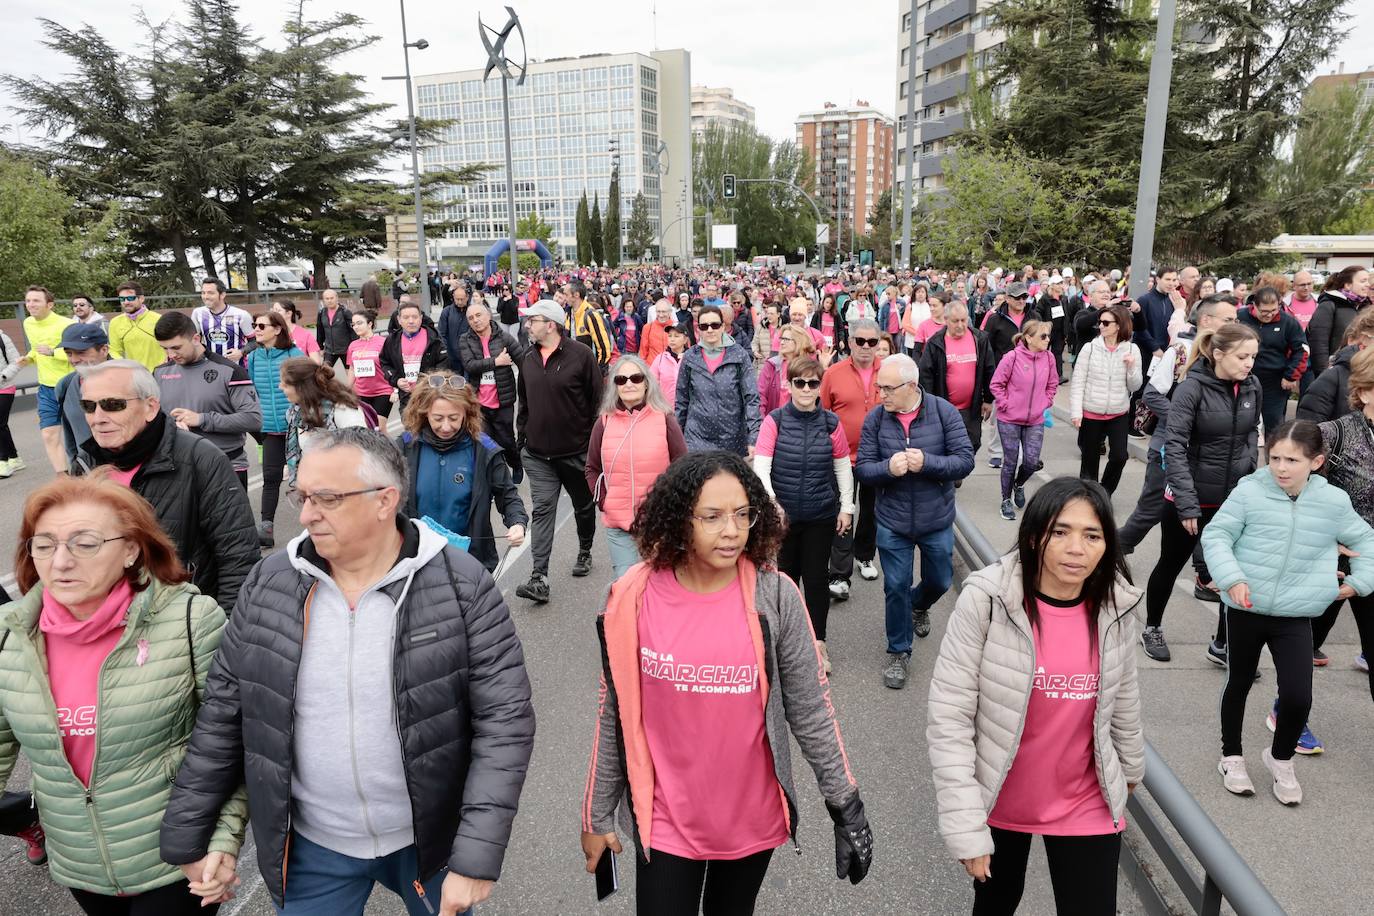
<point>1101,381</point>
<point>980,690</point>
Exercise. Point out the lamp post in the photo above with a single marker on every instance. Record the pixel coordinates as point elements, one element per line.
<point>613,146</point>
<point>418,44</point>
<point>497,60</point>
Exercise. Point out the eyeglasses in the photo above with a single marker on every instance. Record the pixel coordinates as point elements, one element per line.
<point>865,341</point>
<point>714,522</point>
<point>439,380</point>
<point>324,500</point>
<point>891,389</point>
<point>109,405</point>
<point>1103,324</point>
<point>709,325</point>
<point>812,383</point>
<point>262,325</point>
<point>633,378</point>
<point>128,298</point>
<point>83,544</point>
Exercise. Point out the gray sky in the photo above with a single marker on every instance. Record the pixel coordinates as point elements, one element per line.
<point>782,64</point>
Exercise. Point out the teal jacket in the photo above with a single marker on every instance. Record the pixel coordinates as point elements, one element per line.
<point>264,368</point>
<point>1285,549</point>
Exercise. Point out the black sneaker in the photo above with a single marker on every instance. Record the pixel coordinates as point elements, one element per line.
<point>1203,593</point>
<point>920,622</point>
<point>1216,654</point>
<point>894,675</point>
<point>994,462</point>
<point>583,565</point>
<point>1018,495</point>
<point>265,535</point>
<point>536,590</point>
<point>1152,639</point>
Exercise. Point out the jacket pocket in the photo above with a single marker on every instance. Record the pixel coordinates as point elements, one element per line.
<point>426,636</point>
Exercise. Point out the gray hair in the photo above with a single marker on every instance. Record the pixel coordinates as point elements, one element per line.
<point>862,324</point>
<point>653,395</point>
<point>382,463</point>
<point>1102,283</point>
<point>910,371</point>
<point>949,309</point>
<point>144,385</point>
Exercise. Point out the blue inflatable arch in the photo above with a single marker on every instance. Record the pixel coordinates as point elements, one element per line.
<point>533,246</point>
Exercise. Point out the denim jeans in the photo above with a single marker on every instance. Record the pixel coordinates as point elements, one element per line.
<point>322,882</point>
<point>900,597</point>
<point>624,551</point>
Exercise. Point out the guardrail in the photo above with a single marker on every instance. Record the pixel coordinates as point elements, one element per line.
<point>1225,875</point>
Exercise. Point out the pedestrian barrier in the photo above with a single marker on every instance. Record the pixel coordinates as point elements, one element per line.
<point>1225,875</point>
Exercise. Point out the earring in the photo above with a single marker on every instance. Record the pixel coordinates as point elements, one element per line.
<point>128,563</point>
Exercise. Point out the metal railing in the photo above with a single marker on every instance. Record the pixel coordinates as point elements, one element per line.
<point>1225,875</point>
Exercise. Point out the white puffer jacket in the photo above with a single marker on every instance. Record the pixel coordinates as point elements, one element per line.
<point>980,691</point>
<point>1101,382</point>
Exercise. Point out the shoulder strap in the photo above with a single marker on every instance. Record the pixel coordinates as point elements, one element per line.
<point>191,650</point>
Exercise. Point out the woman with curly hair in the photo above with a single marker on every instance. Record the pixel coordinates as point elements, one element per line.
<point>709,660</point>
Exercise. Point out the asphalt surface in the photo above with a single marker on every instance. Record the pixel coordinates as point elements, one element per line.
<point>884,733</point>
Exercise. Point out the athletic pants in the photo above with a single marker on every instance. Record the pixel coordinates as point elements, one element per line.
<point>860,541</point>
<point>1019,443</point>
<point>1091,434</point>
<point>668,885</point>
<point>1290,646</point>
<point>804,556</point>
<point>1175,547</point>
<point>548,476</point>
<point>1083,873</point>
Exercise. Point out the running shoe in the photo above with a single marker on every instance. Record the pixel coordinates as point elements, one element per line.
<point>825,655</point>
<point>583,564</point>
<point>1152,639</point>
<point>867,570</point>
<point>17,464</point>
<point>1216,654</point>
<point>839,589</point>
<point>894,675</point>
<point>1202,593</point>
<point>1008,512</point>
<point>1362,663</point>
<point>1319,659</point>
<point>536,589</point>
<point>1018,495</point>
<point>1286,788</point>
<point>1308,744</point>
<point>37,843</point>
<point>1234,776</point>
<point>920,622</point>
<point>995,461</point>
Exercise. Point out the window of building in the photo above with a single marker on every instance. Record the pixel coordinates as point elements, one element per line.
<point>623,97</point>
<point>573,142</point>
<point>596,77</point>
<point>545,125</point>
<point>906,22</point>
<point>598,122</point>
<point>622,119</point>
<point>472,89</point>
<point>595,98</point>
<point>569,124</point>
<point>622,75</point>
<point>573,165</point>
<point>649,99</point>
<point>569,101</point>
<point>649,121</point>
<point>541,82</point>
<point>648,77</point>
<point>569,79</point>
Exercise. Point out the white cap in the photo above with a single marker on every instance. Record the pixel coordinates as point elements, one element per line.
<point>1055,278</point>
<point>1226,285</point>
<point>1089,279</point>
<point>1068,273</point>
<point>997,271</point>
<point>1116,274</point>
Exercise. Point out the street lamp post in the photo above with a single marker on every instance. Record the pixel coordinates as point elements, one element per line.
<point>661,169</point>
<point>497,60</point>
<point>419,44</point>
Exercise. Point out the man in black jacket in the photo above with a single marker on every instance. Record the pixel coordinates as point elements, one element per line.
<point>188,480</point>
<point>956,364</point>
<point>1282,356</point>
<point>559,389</point>
<point>370,693</point>
<point>333,327</point>
<point>413,349</point>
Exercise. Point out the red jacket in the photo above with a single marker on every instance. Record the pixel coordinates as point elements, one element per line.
<point>842,391</point>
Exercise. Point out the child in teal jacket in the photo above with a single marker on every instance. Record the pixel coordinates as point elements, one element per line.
<point>1272,549</point>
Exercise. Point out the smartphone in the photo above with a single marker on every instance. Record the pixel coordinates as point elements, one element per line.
<point>607,875</point>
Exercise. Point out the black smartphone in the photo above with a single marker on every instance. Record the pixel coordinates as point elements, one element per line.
<point>607,875</point>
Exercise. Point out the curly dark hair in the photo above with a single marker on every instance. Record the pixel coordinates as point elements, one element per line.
<point>662,527</point>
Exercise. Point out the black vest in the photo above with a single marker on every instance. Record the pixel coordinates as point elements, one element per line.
<point>803,465</point>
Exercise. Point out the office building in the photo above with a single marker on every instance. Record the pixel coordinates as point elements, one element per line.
<point>1364,82</point>
<point>851,149</point>
<point>562,121</point>
<point>718,106</point>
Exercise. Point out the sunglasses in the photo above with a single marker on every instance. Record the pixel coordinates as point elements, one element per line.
<point>709,325</point>
<point>634,378</point>
<point>1042,337</point>
<point>109,405</point>
<point>128,298</point>
<point>262,325</point>
<point>812,383</point>
<point>440,380</point>
<point>866,341</point>
<point>1104,324</point>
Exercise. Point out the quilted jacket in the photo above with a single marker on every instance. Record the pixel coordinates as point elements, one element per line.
<point>105,839</point>
<point>981,688</point>
<point>1212,438</point>
<point>1101,381</point>
<point>1349,445</point>
<point>1285,549</point>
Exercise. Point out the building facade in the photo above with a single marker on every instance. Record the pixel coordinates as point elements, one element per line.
<point>851,149</point>
<point>563,120</point>
<point>718,106</point>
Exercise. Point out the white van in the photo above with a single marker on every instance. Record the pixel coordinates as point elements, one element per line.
<point>276,276</point>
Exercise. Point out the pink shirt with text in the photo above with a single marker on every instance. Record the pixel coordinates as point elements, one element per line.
<point>961,361</point>
<point>413,352</point>
<point>1302,310</point>
<point>365,359</point>
<point>715,792</point>
<point>486,387</point>
<point>305,339</point>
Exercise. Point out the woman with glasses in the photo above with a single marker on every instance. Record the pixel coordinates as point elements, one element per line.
<point>274,347</point>
<point>704,762</point>
<point>318,401</point>
<point>364,364</point>
<point>632,443</point>
<point>456,472</point>
<point>1106,373</point>
<point>802,457</point>
<point>717,398</point>
<point>793,342</point>
<point>301,337</point>
<point>1024,387</point>
<point>108,649</point>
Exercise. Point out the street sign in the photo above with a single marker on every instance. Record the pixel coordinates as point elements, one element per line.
<point>822,233</point>
<point>728,188</point>
<point>723,236</point>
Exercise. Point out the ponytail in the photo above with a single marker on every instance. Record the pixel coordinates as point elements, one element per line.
<point>1225,338</point>
<point>1028,329</point>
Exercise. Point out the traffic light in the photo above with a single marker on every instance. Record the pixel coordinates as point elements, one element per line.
<point>728,182</point>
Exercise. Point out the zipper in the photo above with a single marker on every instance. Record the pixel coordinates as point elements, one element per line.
<point>1288,549</point>
<point>1097,708</point>
<point>352,736</point>
<point>1231,444</point>
<point>291,733</point>
<point>1021,726</point>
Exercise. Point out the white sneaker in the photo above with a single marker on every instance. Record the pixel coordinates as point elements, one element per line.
<point>1234,777</point>
<point>5,469</point>
<point>1286,788</point>
<point>839,590</point>
<point>867,570</point>
<point>17,464</point>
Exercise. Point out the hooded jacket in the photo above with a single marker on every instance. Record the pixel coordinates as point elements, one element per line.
<point>1001,330</point>
<point>1326,330</point>
<point>1212,438</point>
<point>718,410</point>
<point>1024,386</point>
<point>980,691</point>
<point>441,744</point>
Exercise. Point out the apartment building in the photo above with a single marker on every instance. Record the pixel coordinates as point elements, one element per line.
<point>851,148</point>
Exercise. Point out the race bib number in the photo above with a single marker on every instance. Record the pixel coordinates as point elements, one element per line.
<point>1056,311</point>
<point>829,340</point>
<point>365,368</point>
<point>488,378</point>
<point>412,368</point>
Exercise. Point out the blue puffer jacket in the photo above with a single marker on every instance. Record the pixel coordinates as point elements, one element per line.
<point>915,504</point>
<point>803,467</point>
<point>1285,549</point>
<point>264,368</point>
<point>718,410</point>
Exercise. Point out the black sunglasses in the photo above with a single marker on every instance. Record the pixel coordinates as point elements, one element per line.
<point>262,326</point>
<point>634,378</point>
<point>812,383</point>
<point>866,341</point>
<point>709,326</point>
<point>1103,324</point>
<point>109,405</point>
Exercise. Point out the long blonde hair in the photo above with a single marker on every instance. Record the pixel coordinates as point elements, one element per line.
<point>799,336</point>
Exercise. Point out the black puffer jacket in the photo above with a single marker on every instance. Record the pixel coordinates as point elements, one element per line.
<point>200,505</point>
<point>1329,396</point>
<point>475,364</point>
<point>1326,330</point>
<point>1001,329</point>
<point>463,713</point>
<point>1212,439</point>
<point>434,357</point>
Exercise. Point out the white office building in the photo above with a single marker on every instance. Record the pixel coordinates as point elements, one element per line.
<point>718,105</point>
<point>562,121</point>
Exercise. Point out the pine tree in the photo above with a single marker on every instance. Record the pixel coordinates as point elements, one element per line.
<point>611,230</point>
<point>598,249</point>
<point>584,231</point>
<point>639,231</point>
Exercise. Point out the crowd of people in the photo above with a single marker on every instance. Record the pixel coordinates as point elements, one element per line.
<point>748,438</point>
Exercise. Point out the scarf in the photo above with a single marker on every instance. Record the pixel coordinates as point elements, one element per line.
<point>138,449</point>
<point>57,620</point>
<point>443,446</point>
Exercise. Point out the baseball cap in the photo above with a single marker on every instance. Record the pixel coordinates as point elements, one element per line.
<point>547,308</point>
<point>1226,285</point>
<point>1068,273</point>
<point>1116,274</point>
<point>1016,290</point>
<point>1055,278</point>
<point>79,336</point>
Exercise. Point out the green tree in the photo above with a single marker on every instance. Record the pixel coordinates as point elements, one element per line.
<point>594,227</point>
<point>610,232</point>
<point>639,231</point>
<point>1357,220</point>
<point>584,231</point>
<point>534,227</point>
<point>879,234</point>
<point>528,261</point>
<point>1332,162</point>
<point>767,215</point>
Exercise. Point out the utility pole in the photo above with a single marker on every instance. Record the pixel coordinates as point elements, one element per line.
<point>910,136</point>
<point>1152,149</point>
<point>498,61</point>
<point>421,249</point>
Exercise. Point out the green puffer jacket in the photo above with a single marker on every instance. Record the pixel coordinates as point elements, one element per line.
<point>105,839</point>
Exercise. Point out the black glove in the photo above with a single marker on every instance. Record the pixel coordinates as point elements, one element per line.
<point>853,839</point>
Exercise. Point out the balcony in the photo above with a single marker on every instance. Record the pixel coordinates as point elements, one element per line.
<point>950,13</point>
<point>938,130</point>
<point>944,90</point>
<point>934,164</point>
<point>946,51</point>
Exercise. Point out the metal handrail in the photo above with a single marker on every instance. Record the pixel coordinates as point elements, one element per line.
<point>1225,874</point>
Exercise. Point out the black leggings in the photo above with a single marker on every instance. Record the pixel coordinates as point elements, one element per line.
<point>669,885</point>
<point>171,900</point>
<point>1290,646</point>
<point>378,402</point>
<point>273,467</point>
<point>500,423</point>
<point>16,813</point>
<point>7,449</point>
<point>1091,433</point>
<point>1175,548</point>
<point>1083,873</point>
<point>805,557</point>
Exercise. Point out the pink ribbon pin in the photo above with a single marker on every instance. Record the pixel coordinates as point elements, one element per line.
<point>142,652</point>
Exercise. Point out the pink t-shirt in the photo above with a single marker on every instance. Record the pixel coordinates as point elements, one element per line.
<point>713,362</point>
<point>866,375</point>
<point>365,359</point>
<point>927,329</point>
<point>1052,788</point>
<point>1302,310</point>
<point>906,419</point>
<point>767,443</point>
<point>486,388</point>
<point>76,650</point>
<point>716,795</point>
<point>1016,317</point>
<point>961,359</point>
<point>305,339</point>
<point>124,477</point>
<point>827,329</point>
<point>413,352</point>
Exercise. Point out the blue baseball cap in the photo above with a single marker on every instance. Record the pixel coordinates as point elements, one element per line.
<point>79,336</point>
